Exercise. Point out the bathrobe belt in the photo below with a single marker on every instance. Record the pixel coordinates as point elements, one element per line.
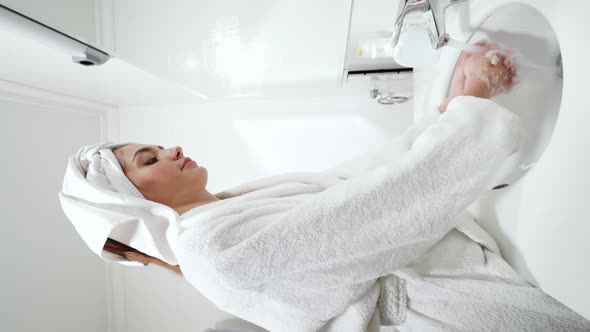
<point>393,300</point>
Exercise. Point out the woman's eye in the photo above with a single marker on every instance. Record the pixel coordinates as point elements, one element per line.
<point>149,162</point>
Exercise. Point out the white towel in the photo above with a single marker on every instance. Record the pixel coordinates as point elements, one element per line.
<point>306,251</point>
<point>101,202</point>
<point>102,168</point>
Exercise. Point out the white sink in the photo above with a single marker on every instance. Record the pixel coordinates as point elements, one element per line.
<point>540,220</point>
<point>537,98</point>
<point>537,101</point>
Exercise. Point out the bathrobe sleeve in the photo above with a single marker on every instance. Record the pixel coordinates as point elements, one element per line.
<point>389,151</point>
<point>372,224</point>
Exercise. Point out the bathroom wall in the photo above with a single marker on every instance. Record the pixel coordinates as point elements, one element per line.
<point>239,141</point>
<point>50,281</point>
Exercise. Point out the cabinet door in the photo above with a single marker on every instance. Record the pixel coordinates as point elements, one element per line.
<point>76,18</point>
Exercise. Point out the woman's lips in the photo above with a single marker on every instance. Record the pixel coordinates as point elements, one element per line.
<point>187,160</point>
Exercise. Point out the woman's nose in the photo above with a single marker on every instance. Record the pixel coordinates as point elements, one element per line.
<point>176,153</point>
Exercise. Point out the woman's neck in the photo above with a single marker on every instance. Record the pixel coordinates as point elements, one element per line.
<point>202,199</point>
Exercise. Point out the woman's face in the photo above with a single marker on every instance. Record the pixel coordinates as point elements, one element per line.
<point>159,174</point>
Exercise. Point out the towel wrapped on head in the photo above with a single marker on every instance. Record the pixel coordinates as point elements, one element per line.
<point>101,202</point>
<point>104,170</point>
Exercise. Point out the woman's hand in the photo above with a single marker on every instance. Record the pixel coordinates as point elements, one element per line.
<point>132,256</point>
<point>473,73</point>
<point>458,81</point>
<point>489,75</point>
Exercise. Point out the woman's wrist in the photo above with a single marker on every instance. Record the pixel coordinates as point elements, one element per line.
<point>476,88</point>
<point>473,87</point>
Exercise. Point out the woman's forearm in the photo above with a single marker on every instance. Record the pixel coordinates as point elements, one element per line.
<point>475,89</point>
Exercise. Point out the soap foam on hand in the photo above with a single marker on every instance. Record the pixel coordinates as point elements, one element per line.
<point>494,52</point>
<point>514,57</point>
<point>490,52</point>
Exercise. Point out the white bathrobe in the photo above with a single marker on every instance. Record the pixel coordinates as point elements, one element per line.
<point>346,249</point>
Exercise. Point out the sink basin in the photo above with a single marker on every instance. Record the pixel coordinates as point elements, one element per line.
<point>536,100</point>
<point>540,221</point>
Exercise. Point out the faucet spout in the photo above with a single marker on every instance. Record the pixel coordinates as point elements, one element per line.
<point>436,26</point>
<point>406,7</point>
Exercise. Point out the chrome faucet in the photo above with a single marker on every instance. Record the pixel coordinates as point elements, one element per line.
<point>434,11</point>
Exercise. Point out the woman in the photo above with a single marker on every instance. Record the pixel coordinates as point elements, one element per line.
<point>383,239</point>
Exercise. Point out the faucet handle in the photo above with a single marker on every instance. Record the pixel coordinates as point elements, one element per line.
<point>434,11</point>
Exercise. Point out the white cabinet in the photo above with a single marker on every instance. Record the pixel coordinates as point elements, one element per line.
<point>77,18</point>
